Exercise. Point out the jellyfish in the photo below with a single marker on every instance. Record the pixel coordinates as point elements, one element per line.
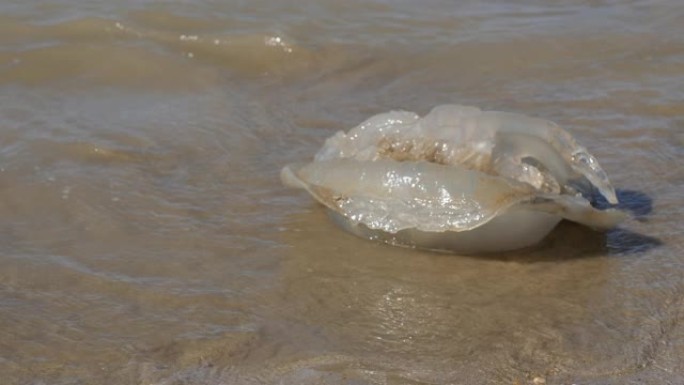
<point>458,179</point>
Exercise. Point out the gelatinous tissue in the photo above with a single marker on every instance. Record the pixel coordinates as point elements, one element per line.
<point>457,179</point>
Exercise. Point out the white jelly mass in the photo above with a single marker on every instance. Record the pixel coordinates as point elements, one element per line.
<point>458,178</point>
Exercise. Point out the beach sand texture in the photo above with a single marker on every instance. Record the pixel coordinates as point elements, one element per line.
<point>146,237</point>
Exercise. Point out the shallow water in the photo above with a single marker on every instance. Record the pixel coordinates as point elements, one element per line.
<point>146,238</point>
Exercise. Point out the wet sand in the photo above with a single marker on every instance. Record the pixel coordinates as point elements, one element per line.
<point>146,238</point>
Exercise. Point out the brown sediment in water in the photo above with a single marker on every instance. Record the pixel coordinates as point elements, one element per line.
<point>145,236</point>
<point>410,150</point>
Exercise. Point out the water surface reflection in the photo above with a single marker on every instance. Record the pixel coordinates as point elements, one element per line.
<point>437,315</point>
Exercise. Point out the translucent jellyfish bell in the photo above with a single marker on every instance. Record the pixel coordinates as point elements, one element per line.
<point>458,179</point>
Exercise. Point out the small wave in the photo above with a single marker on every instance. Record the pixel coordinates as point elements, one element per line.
<point>117,52</point>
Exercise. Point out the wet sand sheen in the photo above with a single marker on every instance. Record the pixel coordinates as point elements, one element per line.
<point>146,237</point>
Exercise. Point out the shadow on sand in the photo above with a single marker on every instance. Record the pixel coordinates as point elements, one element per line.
<point>636,203</point>
<point>572,241</point>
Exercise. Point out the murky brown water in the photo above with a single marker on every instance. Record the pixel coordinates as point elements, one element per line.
<point>146,239</point>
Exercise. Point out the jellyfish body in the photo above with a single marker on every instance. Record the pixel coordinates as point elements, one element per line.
<point>458,179</point>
